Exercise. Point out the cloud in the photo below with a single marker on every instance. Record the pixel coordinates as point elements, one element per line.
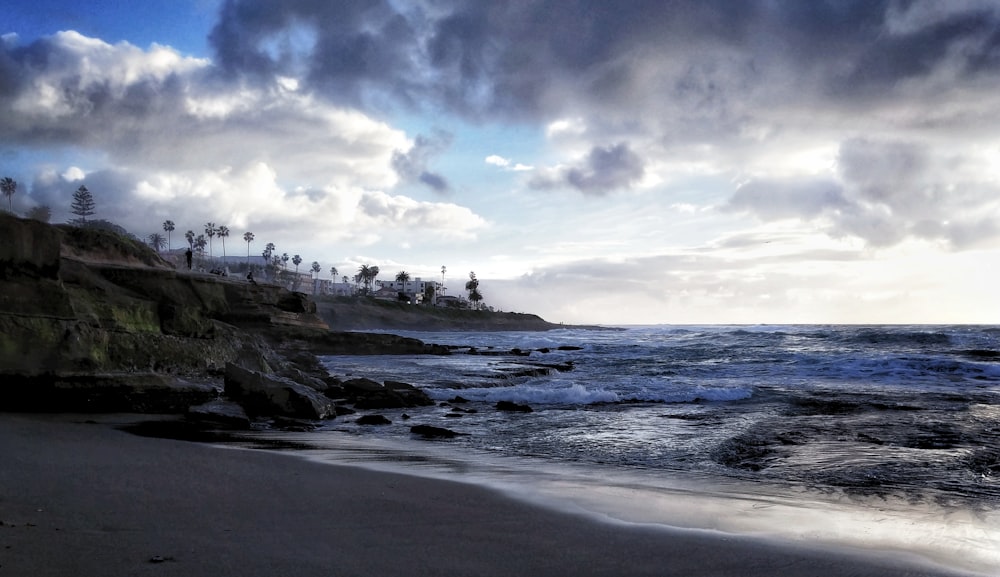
<point>884,192</point>
<point>412,165</point>
<point>192,147</point>
<point>506,163</point>
<point>602,171</point>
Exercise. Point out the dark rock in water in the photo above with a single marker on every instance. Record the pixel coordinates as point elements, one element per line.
<point>513,407</point>
<point>262,394</point>
<point>342,410</point>
<point>368,394</point>
<point>569,348</point>
<point>454,415</point>
<point>373,420</point>
<point>458,399</point>
<point>221,412</point>
<point>432,432</point>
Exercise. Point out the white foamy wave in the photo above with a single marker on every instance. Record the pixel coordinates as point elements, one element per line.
<point>694,394</point>
<point>532,394</point>
<point>577,394</point>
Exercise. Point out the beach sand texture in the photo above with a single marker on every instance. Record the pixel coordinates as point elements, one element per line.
<point>84,499</point>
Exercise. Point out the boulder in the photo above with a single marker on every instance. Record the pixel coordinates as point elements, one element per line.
<point>510,407</point>
<point>220,412</point>
<point>368,394</point>
<point>270,395</point>
<point>373,420</point>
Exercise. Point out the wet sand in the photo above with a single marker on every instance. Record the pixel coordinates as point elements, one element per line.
<point>80,498</point>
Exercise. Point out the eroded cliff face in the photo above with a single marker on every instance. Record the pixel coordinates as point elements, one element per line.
<point>86,310</point>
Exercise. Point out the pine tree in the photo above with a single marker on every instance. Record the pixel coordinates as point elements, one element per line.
<point>83,205</point>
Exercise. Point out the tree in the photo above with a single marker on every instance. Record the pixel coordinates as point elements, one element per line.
<point>9,186</point>
<point>248,236</point>
<point>223,232</point>
<point>402,276</point>
<point>210,231</point>
<point>315,270</point>
<point>473,287</point>
<point>83,205</point>
<point>200,242</point>
<point>40,213</point>
<point>157,241</point>
<point>168,227</point>
<point>364,273</point>
<point>189,235</point>
<point>268,250</point>
<point>333,273</point>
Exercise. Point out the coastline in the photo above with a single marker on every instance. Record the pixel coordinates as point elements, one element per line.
<point>82,497</point>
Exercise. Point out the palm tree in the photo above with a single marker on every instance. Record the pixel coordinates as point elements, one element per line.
<point>268,250</point>
<point>157,241</point>
<point>168,227</point>
<point>364,273</point>
<point>210,231</point>
<point>284,261</point>
<point>315,274</point>
<point>473,287</point>
<point>189,235</point>
<point>296,260</point>
<point>333,273</point>
<point>9,186</point>
<point>223,232</point>
<point>403,277</point>
<point>200,242</point>
<point>248,236</point>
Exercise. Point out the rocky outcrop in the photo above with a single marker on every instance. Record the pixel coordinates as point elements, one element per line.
<point>264,395</point>
<point>91,320</point>
<point>369,394</point>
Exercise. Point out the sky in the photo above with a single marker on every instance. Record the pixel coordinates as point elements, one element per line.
<point>628,162</point>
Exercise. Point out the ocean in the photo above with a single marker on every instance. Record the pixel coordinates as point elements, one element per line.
<point>871,436</point>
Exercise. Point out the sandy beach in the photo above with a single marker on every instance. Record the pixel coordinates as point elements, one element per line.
<point>83,498</point>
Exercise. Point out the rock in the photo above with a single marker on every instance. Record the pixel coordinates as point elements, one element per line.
<point>102,393</point>
<point>432,432</point>
<point>373,420</point>
<point>368,394</point>
<point>458,399</point>
<point>220,411</point>
<point>508,406</point>
<point>269,395</point>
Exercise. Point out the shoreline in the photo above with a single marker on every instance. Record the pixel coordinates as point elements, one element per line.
<point>82,497</point>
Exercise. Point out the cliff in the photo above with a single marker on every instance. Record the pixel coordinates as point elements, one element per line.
<point>348,313</point>
<point>90,320</point>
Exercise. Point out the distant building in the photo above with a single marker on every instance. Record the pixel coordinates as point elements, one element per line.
<point>415,289</point>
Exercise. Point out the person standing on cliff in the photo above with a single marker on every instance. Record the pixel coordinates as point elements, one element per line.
<point>188,255</point>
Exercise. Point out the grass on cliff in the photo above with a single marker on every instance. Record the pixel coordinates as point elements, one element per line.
<point>103,244</point>
<point>360,313</point>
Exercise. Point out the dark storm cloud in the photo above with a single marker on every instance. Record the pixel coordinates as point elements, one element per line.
<point>604,170</point>
<point>77,109</point>
<point>534,58</point>
<point>411,166</point>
